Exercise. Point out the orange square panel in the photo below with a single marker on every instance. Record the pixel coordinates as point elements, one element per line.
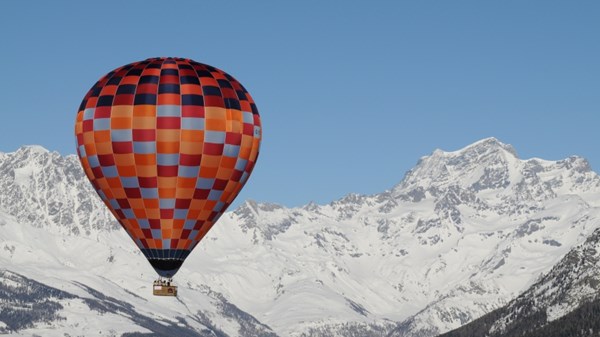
<point>121,111</point>
<point>215,113</point>
<point>167,147</point>
<point>102,136</point>
<point>209,172</point>
<point>210,161</point>
<point>167,135</point>
<point>127,171</point>
<point>145,159</point>
<point>145,111</point>
<point>143,123</point>
<point>121,123</point>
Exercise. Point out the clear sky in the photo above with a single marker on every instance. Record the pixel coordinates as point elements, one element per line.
<point>351,93</point>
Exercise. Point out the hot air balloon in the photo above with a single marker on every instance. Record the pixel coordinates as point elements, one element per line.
<point>167,143</point>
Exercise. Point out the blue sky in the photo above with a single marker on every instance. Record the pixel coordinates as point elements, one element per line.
<point>351,93</point>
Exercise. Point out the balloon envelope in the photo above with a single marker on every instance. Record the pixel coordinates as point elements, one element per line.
<point>167,143</point>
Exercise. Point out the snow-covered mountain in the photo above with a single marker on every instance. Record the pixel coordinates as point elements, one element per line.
<point>67,269</point>
<point>563,302</point>
<point>462,234</point>
<point>572,282</point>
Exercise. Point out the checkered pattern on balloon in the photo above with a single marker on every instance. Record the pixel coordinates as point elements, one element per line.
<point>167,143</point>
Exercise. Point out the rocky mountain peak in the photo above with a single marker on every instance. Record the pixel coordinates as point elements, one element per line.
<point>33,149</point>
<point>45,189</point>
<point>489,145</point>
<point>490,165</point>
<point>251,208</point>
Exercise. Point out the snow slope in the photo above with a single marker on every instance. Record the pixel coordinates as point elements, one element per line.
<point>563,302</point>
